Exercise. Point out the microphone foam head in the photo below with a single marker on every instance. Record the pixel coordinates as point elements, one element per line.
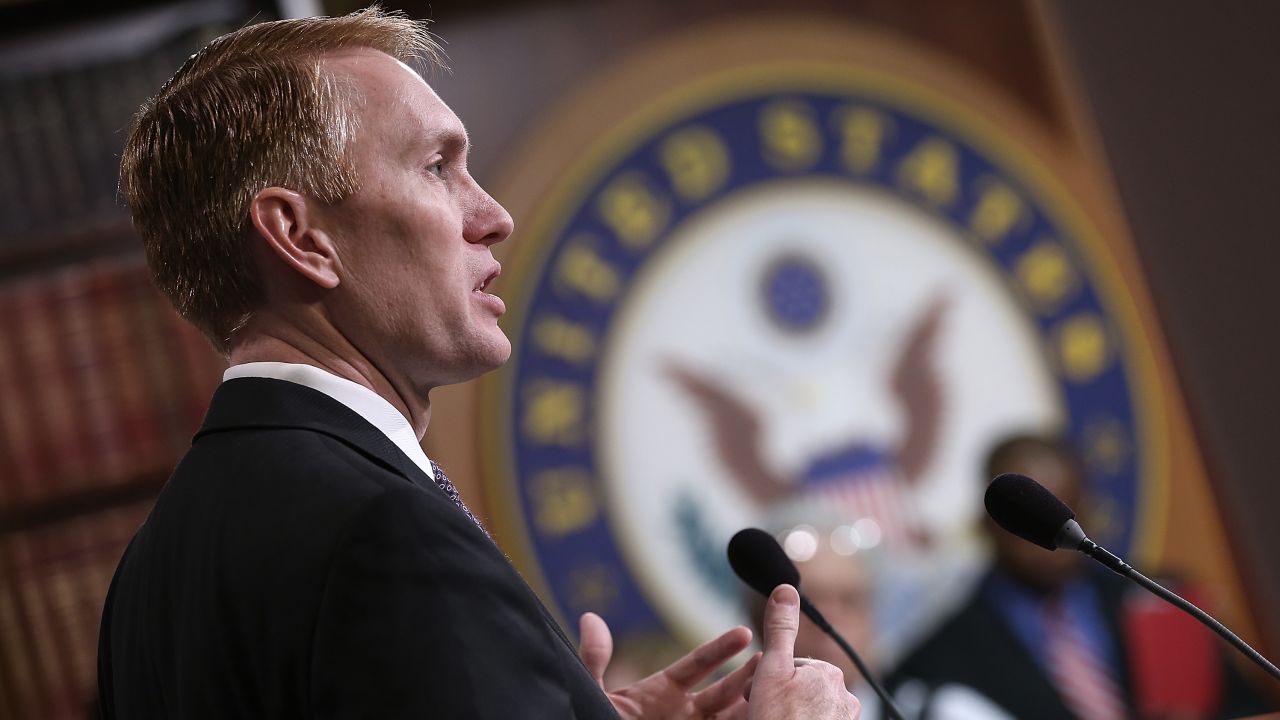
<point>1025,508</point>
<point>760,561</point>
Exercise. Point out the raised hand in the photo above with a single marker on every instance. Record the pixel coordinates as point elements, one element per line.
<point>786,688</point>
<point>668,694</point>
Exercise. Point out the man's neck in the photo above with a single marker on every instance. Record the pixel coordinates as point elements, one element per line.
<point>344,362</point>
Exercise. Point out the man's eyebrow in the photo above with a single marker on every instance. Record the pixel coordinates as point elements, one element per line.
<point>449,138</point>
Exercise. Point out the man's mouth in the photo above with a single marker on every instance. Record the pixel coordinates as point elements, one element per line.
<point>484,284</point>
<point>489,300</point>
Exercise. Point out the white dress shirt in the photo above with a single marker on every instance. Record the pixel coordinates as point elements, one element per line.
<point>364,402</point>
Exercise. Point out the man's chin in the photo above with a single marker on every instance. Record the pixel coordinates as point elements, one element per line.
<point>497,356</point>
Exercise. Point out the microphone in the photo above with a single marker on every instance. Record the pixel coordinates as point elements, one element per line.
<point>761,563</point>
<point>1025,508</point>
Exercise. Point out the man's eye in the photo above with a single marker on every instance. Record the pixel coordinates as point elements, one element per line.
<point>436,168</point>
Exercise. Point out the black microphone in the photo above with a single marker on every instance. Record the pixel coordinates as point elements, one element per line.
<point>1025,508</point>
<point>762,564</point>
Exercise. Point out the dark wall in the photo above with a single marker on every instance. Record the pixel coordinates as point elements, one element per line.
<point>1184,96</point>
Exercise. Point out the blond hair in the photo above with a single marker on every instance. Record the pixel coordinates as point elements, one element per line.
<point>253,109</point>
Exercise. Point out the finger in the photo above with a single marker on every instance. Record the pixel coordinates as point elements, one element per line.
<point>726,691</point>
<point>704,659</point>
<point>781,623</point>
<point>737,711</point>
<point>596,645</point>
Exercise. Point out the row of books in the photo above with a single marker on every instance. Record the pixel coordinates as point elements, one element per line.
<point>53,582</point>
<point>101,381</point>
<point>101,388</point>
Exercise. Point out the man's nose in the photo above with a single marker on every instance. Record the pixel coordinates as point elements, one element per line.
<point>490,223</point>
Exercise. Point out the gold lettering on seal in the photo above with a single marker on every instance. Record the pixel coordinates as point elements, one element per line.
<point>863,133</point>
<point>554,412</point>
<point>790,135</point>
<point>565,339</point>
<point>1083,345</point>
<point>997,211</point>
<point>1046,274</point>
<point>581,270</point>
<point>697,163</point>
<point>633,210</point>
<point>563,501</point>
<point>932,171</point>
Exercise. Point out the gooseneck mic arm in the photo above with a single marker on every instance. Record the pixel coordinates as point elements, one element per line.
<point>1025,508</point>
<point>1099,553</point>
<point>762,564</point>
<point>811,611</point>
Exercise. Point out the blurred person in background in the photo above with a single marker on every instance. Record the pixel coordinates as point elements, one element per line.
<point>304,199</point>
<point>1049,634</point>
<point>849,576</point>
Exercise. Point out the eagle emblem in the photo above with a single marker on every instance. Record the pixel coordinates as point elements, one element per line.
<point>856,476</point>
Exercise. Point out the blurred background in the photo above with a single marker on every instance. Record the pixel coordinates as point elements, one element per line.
<point>1154,123</point>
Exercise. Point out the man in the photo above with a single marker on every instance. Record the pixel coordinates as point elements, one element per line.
<point>303,198</point>
<point>838,577</point>
<point>1046,636</point>
<point>846,579</point>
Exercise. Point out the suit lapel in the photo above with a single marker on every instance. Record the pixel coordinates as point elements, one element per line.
<point>258,403</point>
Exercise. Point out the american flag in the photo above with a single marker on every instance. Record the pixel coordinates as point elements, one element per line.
<point>858,482</point>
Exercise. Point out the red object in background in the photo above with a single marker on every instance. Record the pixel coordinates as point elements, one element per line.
<point>1173,659</point>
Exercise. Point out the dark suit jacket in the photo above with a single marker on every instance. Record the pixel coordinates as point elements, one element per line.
<point>298,565</point>
<point>976,647</point>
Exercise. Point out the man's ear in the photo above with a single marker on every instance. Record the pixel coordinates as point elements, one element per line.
<point>285,221</point>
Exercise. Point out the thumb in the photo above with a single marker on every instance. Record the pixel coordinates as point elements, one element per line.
<point>596,645</point>
<point>781,623</point>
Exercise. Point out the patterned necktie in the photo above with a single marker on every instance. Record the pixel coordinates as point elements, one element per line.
<point>443,482</point>
<point>1079,674</point>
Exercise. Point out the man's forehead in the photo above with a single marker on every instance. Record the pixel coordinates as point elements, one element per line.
<point>366,61</point>
<point>1048,466</point>
<point>382,82</point>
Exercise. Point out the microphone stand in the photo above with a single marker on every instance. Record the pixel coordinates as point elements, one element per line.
<point>811,611</point>
<point>1124,569</point>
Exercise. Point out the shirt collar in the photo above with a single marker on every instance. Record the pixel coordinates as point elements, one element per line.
<point>361,400</point>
